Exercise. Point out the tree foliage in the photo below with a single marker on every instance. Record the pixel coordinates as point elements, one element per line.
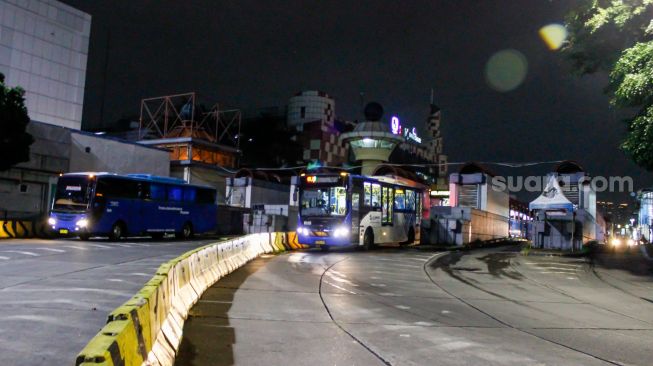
<point>14,141</point>
<point>616,36</point>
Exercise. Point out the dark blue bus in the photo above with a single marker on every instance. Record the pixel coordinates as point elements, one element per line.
<point>106,204</point>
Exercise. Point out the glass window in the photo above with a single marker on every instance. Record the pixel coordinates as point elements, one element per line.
<point>174,193</point>
<point>367,188</point>
<point>400,199</point>
<point>376,195</point>
<point>189,194</point>
<point>72,193</point>
<point>111,187</point>
<point>205,195</point>
<point>327,201</point>
<point>354,201</point>
<point>410,200</point>
<point>157,192</point>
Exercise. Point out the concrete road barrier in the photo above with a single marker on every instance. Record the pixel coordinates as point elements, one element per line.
<point>147,329</point>
<point>23,228</point>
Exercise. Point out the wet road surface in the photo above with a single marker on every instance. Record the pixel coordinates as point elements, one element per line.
<point>55,295</point>
<point>403,307</point>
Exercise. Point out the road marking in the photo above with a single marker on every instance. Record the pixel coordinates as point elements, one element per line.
<point>445,312</point>
<point>100,246</point>
<point>123,245</point>
<point>555,272</point>
<point>405,335</point>
<point>377,284</point>
<point>559,269</point>
<point>21,252</point>
<point>402,307</point>
<point>115,280</point>
<point>139,274</point>
<point>339,288</point>
<point>3,257</point>
<point>52,250</point>
<point>75,247</point>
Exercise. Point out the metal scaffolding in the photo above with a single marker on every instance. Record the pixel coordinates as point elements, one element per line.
<point>178,115</point>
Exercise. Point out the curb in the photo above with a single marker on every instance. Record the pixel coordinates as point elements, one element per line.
<point>147,329</point>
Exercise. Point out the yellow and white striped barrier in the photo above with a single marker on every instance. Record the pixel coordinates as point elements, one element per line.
<point>147,329</point>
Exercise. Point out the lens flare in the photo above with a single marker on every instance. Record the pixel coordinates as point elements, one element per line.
<point>554,35</point>
<point>506,70</point>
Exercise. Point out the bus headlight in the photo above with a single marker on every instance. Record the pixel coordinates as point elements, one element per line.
<point>630,242</point>
<point>82,223</point>
<point>52,221</point>
<point>616,242</point>
<point>302,231</point>
<point>340,232</point>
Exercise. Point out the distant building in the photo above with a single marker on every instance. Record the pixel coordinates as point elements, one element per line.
<point>478,211</point>
<point>313,115</point>
<point>44,49</point>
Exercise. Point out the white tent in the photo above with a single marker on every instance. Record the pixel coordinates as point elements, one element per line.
<point>551,198</point>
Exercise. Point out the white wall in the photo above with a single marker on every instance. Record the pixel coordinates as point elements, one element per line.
<point>107,155</point>
<point>44,49</point>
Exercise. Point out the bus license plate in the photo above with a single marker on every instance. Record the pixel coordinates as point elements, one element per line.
<point>320,242</point>
<point>63,231</point>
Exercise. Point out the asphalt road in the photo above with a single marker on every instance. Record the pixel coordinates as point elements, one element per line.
<point>55,295</point>
<point>403,307</point>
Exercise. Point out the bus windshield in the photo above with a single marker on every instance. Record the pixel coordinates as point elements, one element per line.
<point>72,194</point>
<point>324,201</point>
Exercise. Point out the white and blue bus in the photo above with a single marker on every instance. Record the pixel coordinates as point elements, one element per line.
<point>341,209</point>
<point>106,204</point>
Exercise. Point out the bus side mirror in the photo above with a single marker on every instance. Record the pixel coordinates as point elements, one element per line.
<point>295,195</point>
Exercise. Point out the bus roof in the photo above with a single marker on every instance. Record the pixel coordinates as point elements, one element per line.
<point>141,177</point>
<point>381,179</point>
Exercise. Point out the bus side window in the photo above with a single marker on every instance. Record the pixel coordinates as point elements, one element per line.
<point>400,199</point>
<point>206,196</point>
<point>157,192</point>
<point>189,194</point>
<point>376,195</point>
<point>174,193</point>
<point>410,200</point>
<point>355,201</point>
<point>367,190</point>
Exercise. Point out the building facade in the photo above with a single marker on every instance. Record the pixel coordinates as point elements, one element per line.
<point>44,50</point>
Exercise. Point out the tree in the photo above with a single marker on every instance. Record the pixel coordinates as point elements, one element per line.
<point>616,36</point>
<point>14,141</point>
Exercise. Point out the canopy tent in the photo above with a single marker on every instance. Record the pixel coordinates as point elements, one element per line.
<point>551,198</point>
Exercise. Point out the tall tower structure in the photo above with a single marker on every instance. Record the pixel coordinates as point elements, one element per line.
<point>435,148</point>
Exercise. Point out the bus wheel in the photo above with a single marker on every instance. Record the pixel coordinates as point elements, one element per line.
<point>157,236</point>
<point>84,237</point>
<point>186,232</point>
<point>411,238</point>
<point>368,239</point>
<point>117,231</point>
<point>324,248</point>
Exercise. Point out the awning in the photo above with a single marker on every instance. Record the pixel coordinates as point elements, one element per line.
<point>552,198</point>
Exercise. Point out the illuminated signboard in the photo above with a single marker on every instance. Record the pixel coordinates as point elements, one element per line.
<point>395,125</point>
<point>311,179</point>
<point>409,133</point>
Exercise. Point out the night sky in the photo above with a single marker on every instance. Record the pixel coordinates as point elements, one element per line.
<point>250,54</point>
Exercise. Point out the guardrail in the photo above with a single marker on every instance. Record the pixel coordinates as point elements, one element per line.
<point>147,329</point>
